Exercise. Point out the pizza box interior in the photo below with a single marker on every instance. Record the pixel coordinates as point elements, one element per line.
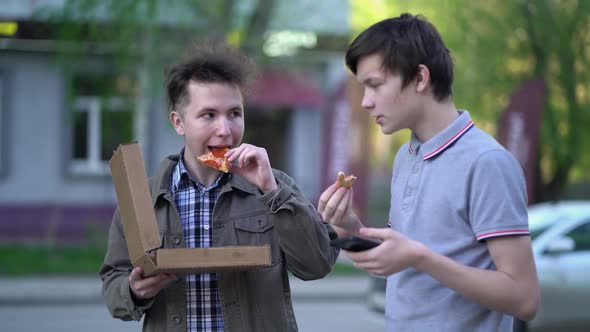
<point>143,236</point>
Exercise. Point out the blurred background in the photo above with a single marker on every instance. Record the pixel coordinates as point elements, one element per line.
<point>78,77</point>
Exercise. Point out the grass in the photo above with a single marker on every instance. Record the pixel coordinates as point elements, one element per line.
<point>345,269</point>
<point>22,260</point>
<point>19,260</point>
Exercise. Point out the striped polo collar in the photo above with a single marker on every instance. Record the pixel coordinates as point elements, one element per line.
<point>443,140</point>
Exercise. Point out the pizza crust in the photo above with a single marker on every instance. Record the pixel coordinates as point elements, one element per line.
<point>345,181</point>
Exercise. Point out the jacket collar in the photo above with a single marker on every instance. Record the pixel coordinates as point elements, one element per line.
<point>443,140</point>
<point>237,182</point>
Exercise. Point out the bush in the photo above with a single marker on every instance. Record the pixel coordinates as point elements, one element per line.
<point>18,260</point>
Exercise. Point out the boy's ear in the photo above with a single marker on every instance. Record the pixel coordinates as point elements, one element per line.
<point>176,120</point>
<point>422,78</point>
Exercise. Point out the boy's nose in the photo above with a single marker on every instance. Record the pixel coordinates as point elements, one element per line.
<point>367,102</point>
<point>223,127</point>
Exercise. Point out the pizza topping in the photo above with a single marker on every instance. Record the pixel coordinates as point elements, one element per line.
<point>345,180</point>
<point>219,152</point>
<point>216,159</point>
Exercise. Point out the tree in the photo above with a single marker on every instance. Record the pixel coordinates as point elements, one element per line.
<point>151,33</point>
<point>541,39</point>
<point>137,39</point>
<point>558,33</point>
<point>497,45</point>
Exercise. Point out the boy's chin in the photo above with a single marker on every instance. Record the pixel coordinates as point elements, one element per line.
<point>387,131</point>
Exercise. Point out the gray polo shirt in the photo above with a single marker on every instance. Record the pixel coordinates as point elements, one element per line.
<point>452,193</point>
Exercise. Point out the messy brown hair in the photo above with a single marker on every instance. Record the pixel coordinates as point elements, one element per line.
<point>208,63</point>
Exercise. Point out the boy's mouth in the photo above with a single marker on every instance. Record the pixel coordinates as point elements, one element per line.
<point>218,147</point>
<point>219,151</point>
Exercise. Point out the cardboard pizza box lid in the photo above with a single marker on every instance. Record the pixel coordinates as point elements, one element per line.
<point>134,200</point>
<point>143,236</point>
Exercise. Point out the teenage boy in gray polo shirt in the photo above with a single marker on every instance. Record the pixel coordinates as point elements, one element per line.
<point>458,254</point>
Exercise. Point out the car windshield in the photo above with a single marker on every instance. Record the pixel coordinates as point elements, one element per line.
<point>541,219</point>
<point>535,233</point>
<point>544,216</point>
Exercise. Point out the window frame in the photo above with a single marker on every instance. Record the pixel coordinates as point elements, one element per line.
<point>93,165</point>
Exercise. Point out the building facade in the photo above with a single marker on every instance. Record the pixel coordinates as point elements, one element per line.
<point>59,122</point>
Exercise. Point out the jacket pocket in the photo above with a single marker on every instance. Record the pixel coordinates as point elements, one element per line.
<point>255,224</point>
<point>257,231</point>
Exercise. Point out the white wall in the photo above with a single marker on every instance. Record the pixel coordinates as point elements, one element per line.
<point>37,140</point>
<point>161,137</point>
<point>304,159</point>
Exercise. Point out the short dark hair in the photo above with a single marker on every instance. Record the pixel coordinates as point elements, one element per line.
<point>405,42</point>
<point>208,63</point>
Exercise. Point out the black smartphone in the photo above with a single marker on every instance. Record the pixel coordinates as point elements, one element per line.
<point>353,243</point>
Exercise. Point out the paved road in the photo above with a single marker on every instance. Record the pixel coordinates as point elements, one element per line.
<point>61,304</point>
<point>312,316</point>
<point>337,316</point>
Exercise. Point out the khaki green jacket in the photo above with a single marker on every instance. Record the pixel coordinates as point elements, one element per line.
<point>255,300</point>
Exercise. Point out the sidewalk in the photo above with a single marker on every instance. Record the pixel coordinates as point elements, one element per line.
<point>87,289</point>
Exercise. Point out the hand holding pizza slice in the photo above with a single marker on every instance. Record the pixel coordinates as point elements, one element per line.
<point>216,159</point>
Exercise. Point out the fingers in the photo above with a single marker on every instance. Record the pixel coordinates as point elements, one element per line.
<point>136,275</point>
<point>362,257</point>
<point>368,261</point>
<point>253,164</point>
<point>249,155</point>
<point>135,281</point>
<point>335,207</point>
<point>233,154</point>
<point>343,204</point>
<point>148,287</point>
<point>377,233</point>
<point>372,267</point>
<point>325,197</point>
<point>153,285</point>
<point>246,153</point>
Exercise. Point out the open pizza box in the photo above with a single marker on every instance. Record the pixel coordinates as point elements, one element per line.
<point>143,236</point>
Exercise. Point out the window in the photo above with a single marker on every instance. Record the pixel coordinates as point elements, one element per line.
<point>102,118</point>
<point>266,127</point>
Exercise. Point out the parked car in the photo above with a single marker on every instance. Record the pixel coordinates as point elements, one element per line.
<point>560,235</point>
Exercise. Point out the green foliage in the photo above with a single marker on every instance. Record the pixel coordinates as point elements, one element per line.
<point>138,39</point>
<point>20,260</point>
<point>345,269</point>
<point>153,32</point>
<point>17,260</point>
<point>496,45</point>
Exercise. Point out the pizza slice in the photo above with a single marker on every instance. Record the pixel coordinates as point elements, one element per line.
<point>216,159</point>
<point>345,180</point>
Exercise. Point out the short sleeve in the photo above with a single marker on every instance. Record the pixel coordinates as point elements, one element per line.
<point>497,196</point>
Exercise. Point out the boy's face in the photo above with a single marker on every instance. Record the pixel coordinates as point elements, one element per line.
<point>392,107</point>
<point>214,117</point>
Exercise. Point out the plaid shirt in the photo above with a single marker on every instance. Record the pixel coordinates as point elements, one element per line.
<point>195,205</point>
